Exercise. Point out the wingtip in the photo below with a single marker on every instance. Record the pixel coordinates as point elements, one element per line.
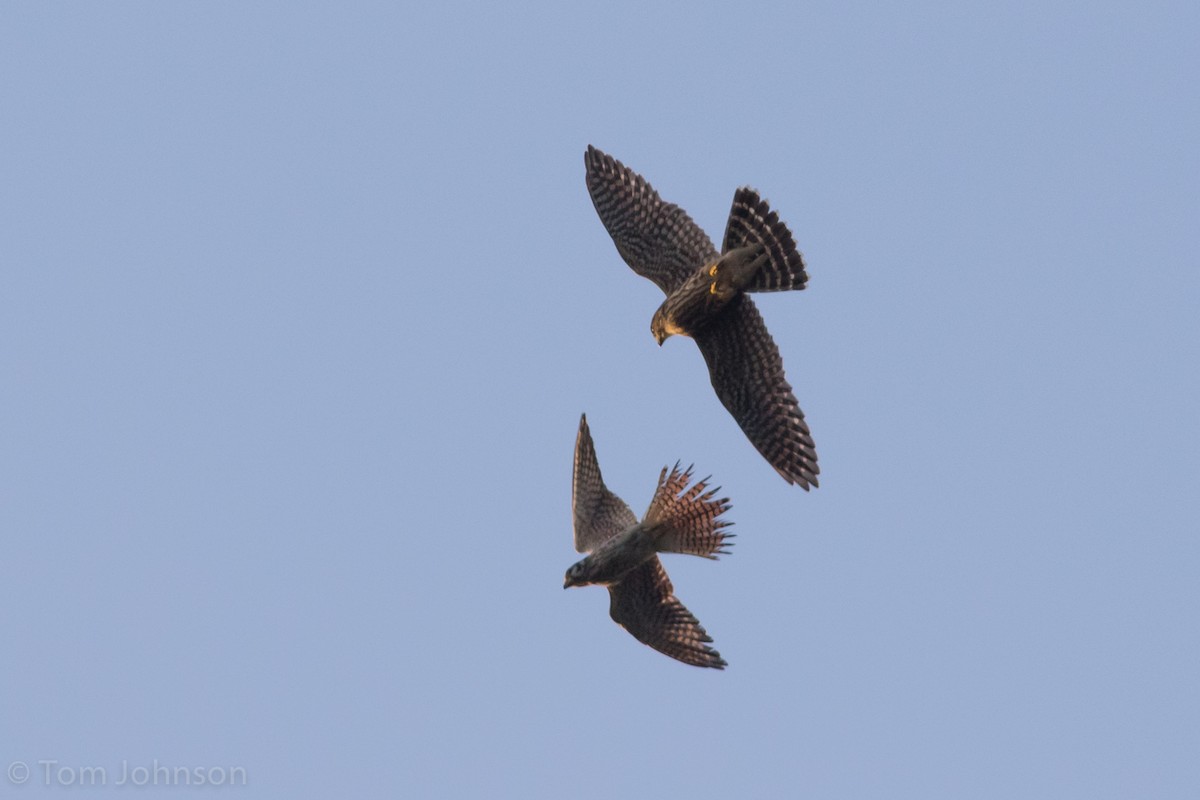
<point>747,192</point>
<point>806,479</point>
<point>711,659</point>
<point>596,160</point>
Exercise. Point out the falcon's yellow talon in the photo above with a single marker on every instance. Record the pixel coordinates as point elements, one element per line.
<point>713,269</point>
<point>712,288</point>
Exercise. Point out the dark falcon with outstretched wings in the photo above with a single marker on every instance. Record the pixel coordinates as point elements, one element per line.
<point>623,553</point>
<point>707,300</point>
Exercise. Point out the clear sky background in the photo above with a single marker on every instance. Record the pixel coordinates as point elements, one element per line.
<point>300,305</point>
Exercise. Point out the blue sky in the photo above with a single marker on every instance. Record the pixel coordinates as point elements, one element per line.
<point>300,305</point>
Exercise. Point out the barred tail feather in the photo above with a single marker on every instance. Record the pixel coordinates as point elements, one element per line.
<point>752,222</point>
<point>684,519</point>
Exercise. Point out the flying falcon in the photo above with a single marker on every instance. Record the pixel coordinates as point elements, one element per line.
<point>623,553</point>
<point>706,300</point>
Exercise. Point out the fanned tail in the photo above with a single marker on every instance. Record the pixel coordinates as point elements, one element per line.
<point>685,519</point>
<point>752,222</point>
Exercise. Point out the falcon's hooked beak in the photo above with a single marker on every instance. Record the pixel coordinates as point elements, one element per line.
<point>658,326</point>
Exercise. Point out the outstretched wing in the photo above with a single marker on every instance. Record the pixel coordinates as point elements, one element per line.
<point>747,373</point>
<point>599,514</point>
<point>644,604</point>
<point>751,221</point>
<point>658,240</point>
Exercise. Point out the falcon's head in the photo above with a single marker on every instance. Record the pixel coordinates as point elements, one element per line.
<point>577,575</point>
<point>662,326</point>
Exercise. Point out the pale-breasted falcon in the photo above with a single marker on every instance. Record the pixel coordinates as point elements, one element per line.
<point>623,553</point>
<point>706,300</point>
